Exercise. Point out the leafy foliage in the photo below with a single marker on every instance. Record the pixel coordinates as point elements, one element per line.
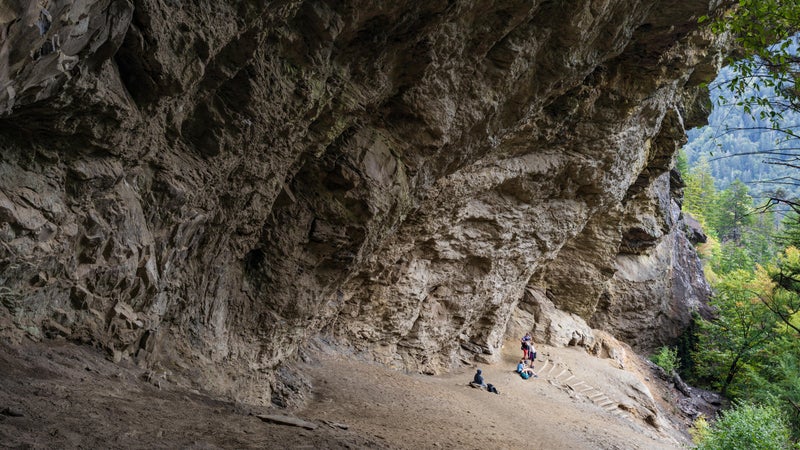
<point>700,430</point>
<point>751,350</point>
<point>764,30</point>
<point>789,234</point>
<point>759,99</point>
<point>785,301</point>
<point>738,146</point>
<point>740,235</point>
<point>729,344</point>
<point>746,426</point>
<point>667,359</point>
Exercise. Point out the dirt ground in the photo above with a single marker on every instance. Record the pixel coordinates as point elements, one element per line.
<point>60,395</point>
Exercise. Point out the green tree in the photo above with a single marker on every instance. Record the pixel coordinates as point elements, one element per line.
<point>682,163</point>
<point>746,426</point>
<point>777,382</point>
<point>734,212</point>
<point>667,359</point>
<point>760,237</point>
<point>732,256</point>
<point>784,302</point>
<point>765,81</point>
<point>700,194</point>
<point>763,30</point>
<point>789,234</point>
<point>742,328</point>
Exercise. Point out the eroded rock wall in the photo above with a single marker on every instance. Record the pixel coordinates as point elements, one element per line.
<point>202,187</point>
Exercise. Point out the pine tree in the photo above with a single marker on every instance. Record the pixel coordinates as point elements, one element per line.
<point>700,194</point>
<point>734,212</point>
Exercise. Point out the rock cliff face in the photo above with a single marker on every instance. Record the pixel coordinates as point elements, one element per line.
<point>203,187</point>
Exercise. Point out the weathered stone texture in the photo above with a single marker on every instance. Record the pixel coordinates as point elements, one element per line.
<point>204,186</point>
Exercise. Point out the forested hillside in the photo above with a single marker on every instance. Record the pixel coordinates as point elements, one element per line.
<point>742,184</point>
<point>747,144</point>
<point>750,351</point>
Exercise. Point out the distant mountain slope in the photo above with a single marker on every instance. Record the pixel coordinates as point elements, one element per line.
<point>736,143</point>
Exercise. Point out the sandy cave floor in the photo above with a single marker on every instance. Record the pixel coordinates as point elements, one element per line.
<point>60,395</point>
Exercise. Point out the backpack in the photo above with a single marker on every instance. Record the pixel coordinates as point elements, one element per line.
<point>524,375</point>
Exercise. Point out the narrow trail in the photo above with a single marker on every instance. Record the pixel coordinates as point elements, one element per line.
<point>560,375</point>
<point>594,386</point>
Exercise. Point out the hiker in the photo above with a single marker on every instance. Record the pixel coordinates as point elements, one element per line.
<point>478,382</point>
<point>478,379</point>
<point>524,371</point>
<point>524,347</point>
<point>531,352</point>
<point>528,372</point>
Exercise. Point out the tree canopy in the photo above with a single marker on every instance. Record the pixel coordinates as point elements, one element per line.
<point>760,99</point>
<point>749,154</point>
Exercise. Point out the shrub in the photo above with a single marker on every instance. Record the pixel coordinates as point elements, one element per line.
<point>700,429</point>
<point>746,427</point>
<point>667,359</point>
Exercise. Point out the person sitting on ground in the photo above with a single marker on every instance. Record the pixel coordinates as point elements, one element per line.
<point>524,371</point>
<point>478,379</point>
<point>478,382</point>
<point>528,372</point>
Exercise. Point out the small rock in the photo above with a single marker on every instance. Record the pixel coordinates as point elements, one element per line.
<point>711,398</point>
<point>689,410</point>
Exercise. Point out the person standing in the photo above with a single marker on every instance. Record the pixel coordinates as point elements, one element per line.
<point>531,352</point>
<point>524,341</point>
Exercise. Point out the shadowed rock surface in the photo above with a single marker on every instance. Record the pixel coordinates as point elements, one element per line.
<point>203,187</point>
